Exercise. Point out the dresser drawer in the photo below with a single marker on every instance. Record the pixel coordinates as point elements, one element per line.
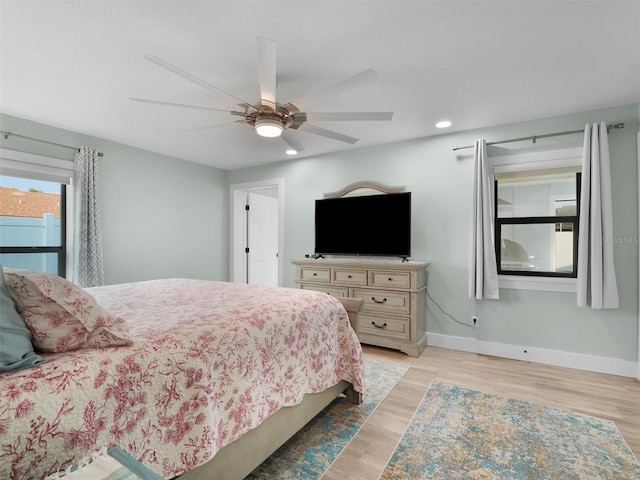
<point>397,328</point>
<point>389,279</point>
<point>315,274</point>
<point>384,301</point>
<point>333,291</point>
<point>351,277</point>
<point>392,295</point>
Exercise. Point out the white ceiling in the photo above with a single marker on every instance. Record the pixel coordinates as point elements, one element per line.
<point>74,64</point>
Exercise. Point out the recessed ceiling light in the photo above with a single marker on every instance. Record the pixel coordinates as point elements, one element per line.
<point>291,151</point>
<point>443,124</point>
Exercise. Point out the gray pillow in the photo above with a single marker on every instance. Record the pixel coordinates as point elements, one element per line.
<point>16,350</point>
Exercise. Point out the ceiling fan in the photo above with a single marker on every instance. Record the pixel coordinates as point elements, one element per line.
<point>272,119</point>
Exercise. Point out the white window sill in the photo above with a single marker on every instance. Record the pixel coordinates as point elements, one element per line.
<point>545,284</point>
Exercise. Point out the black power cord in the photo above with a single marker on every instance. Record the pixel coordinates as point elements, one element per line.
<point>448,315</point>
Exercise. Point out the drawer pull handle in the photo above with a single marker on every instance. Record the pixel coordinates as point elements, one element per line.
<point>390,279</point>
<point>315,274</point>
<point>349,276</point>
<point>379,326</point>
<point>384,300</point>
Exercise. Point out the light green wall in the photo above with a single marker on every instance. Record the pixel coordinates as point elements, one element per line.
<point>161,216</point>
<point>164,217</point>
<point>440,182</point>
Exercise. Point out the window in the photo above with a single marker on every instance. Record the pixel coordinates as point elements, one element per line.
<point>537,222</point>
<point>33,225</point>
<point>537,198</point>
<point>34,208</point>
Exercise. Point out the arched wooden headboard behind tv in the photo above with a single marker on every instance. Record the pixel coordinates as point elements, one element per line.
<point>364,188</point>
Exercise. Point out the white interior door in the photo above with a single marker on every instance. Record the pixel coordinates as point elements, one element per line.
<point>262,233</point>
<point>263,227</point>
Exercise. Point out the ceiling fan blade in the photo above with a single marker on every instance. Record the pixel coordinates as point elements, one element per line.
<point>292,142</point>
<point>348,116</point>
<point>337,88</point>
<point>182,105</point>
<point>267,72</point>
<point>327,133</point>
<point>208,127</point>
<point>178,71</point>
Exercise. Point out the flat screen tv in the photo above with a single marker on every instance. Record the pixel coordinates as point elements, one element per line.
<point>364,225</point>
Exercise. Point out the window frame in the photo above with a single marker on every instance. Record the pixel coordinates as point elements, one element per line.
<point>538,220</point>
<point>538,160</point>
<point>49,169</point>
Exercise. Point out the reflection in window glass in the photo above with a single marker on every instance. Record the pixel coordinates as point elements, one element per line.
<point>537,221</point>
<point>566,207</point>
<point>542,247</point>
<point>538,193</point>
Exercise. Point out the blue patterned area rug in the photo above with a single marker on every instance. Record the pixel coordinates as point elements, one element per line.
<point>311,451</point>
<point>458,433</point>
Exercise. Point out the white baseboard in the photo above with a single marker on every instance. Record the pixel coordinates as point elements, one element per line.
<point>558,358</point>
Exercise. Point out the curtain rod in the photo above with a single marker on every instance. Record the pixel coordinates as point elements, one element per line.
<point>6,135</point>
<point>544,135</point>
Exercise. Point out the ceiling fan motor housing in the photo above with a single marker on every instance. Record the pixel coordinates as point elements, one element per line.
<point>273,120</point>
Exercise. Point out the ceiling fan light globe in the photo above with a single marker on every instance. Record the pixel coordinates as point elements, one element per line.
<point>268,127</point>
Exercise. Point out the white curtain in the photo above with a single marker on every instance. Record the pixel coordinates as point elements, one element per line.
<point>597,287</point>
<point>88,265</point>
<point>483,269</point>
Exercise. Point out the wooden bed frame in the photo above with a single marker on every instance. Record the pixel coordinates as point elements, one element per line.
<point>241,457</point>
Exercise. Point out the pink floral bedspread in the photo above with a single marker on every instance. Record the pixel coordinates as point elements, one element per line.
<point>210,361</point>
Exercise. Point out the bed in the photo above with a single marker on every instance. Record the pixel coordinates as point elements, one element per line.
<point>209,377</point>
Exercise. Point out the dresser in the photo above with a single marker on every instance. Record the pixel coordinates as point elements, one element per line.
<point>393,312</point>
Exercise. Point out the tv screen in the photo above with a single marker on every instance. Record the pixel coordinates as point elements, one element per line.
<point>366,225</point>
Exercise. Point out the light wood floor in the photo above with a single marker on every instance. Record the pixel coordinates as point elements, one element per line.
<point>600,395</point>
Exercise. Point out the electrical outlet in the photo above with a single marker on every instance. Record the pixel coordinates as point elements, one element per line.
<point>474,321</point>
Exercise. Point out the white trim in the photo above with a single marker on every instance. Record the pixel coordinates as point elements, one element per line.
<point>592,363</point>
<point>543,284</point>
<point>71,215</point>
<point>237,229</point>
<point>520,162</point>
<point>237,236</point>
<point>38,167</point>
<point>638,184</point>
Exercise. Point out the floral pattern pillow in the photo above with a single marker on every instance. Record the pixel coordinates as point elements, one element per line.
<point>62,316</point>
